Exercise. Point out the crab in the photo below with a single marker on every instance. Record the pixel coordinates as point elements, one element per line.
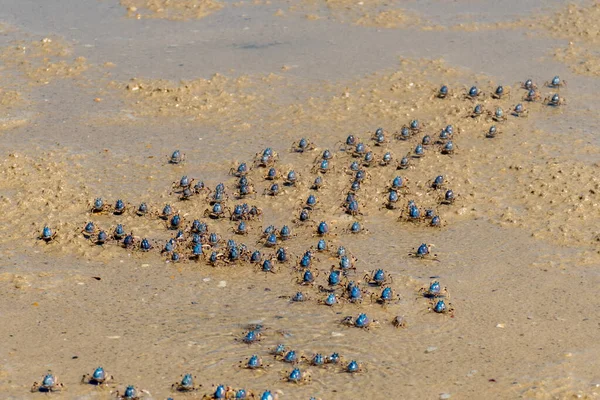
<point>297,376</point>
<point>399,322</point>
<point>98,206</point>
<point>555,100</point>
<point>424,252</point>
<point>442,92</point>
<point>119,207</point>
<point>500,92</point>
<point>49,384</point>
<point>377,277</point>
<point>387,296</point>
<point>439,306</point>
<point>555,83</point>
<point>47,235</point>
<point>98,377</point>
<point>361,321</point>
<point>434,290</point>
<point>254,363</point>
<point>217,211</point>
<point>177,157</point>
<point>301,146</point>
<point>240,171</point>
<point>353,367</point>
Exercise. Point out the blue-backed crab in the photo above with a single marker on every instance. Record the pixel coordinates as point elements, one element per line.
<point>184,182</point>
<point>355,228</point>
<point>177,157</point>
<point>47,235</point>
<point>348,144</point>
<point>145,245</point>
<point>129,241</point>
<point>218,196</point>
<point>532,95</point>
<point>318,183</point>
<point>477,111</point>
<point>322,245</point>
<point>142,209</point>
<point>267,266</point>
<point>119,207</point>
<point>303,216</point>
<point>244,191</point>
<point>322,166</point>
<point>317,360</point>
<point>391,203</point>
<point>322,229</point>
<point>359,150</point>
<point>221,392</point>
<point>448,148</point>
<point>302,145</point>
<point>404,134</point>
<point>311,202</point>
<point>278,351</point>
<point>499,92</point>
<point>352,293</point>
<point>386,159</point>
<point>555,100</point>
<point>308,277</point>
<point>555,83</point>
<point>442,92</point>
<point>217,211</point>
<point>361,321</point>
<point>519,111</point>
<point>252,336</point>
<point>353,367</point>
<point>433,290</point>
<point>49,384</point>
<point>290,357</point>
<point>186,384</point>
<point>241,170</point>
<point>352,208</point>
<point>241,229</point>
<point>291,178</point>
<point>118,232</point>
<point>198,227</point>
<point>197,252</point>
<point>473,93</point>
<point>497,115</point>
<point>437,182</point>
<point>175,222</point>
<point>334,358</point>
<point>98,377</point>
<point>377,277</point>
<point>101,238</point>
<point>253,362</point>
<point>296,376</point>
<point>131,393</point>
<point>267,395</point>
<point>424,252</point>
<point>387,296</point>
<point>397,184</point>
<point>272,175</point>
<point>285,233</point>
<point>449,197</point>
<point>492,132</point>
<point>89,230</point>
<point>439,306</point>
<point>98,206</point>
<point>380,137</point>
<point>266,159</point>
<point>199,187</point>
<point>299,297</point>
<point>281,255</point>
<point>330,300</point>
<point>368,160</point>
<point>528,85</point>
<point>411,213</point>
<point>419,151</point>
<point>272,190</point>
<point>166,212</point>
<point>436,222</point>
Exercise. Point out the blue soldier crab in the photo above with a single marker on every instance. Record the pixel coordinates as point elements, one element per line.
<point>386,159</point>
<point>308,277</point>
<point>377,277</point>
<point>391,203</point>
<point>145,245</point>
<point>353,367</point>
<point>302,145</point>
<point>119,207</point>
<point>497,115</point>
<point>47,235</point>
<point>177,157</point>
<point>361,321</point>
<point>434,290</point>
<point>448,148</point>
<point>442,92</point>
<point>272,190</point>
<point>98,377</point>
<point>532,95</point>
<point>473,93</point>
<point>439,306</point>
<point>131,393</point>
<point>477,111</point>
<point>240,171</point>
<point>142,209</point>
<point>555,83</point>
<point>272,174</point>
<point>49,384</point>
<point>356,228</point>
<point>387,296</point>
<point>298,377</point>
<point>499,92</point>
<point>254,363</point>
<point>519,111</point>
<point>330,300</point>
<point>528,85</point>
<point>98,206</point>
<point>101,238</point>
<point>323,167</point>
<point>291,178</point>
<point>449,197</point>
<point>555,100</point>
<point>217,211</point>
<point>318,183</point>
<point>492,132</point>
<point>186,384</point>
<point>89,230</point>
<point>166,212</point>
<point>118,232</point>
<point>424,252</point>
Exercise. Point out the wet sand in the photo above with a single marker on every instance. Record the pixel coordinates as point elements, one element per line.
<point>95,99</point>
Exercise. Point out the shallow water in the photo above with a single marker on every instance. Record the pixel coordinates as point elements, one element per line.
<point>94,100</point>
